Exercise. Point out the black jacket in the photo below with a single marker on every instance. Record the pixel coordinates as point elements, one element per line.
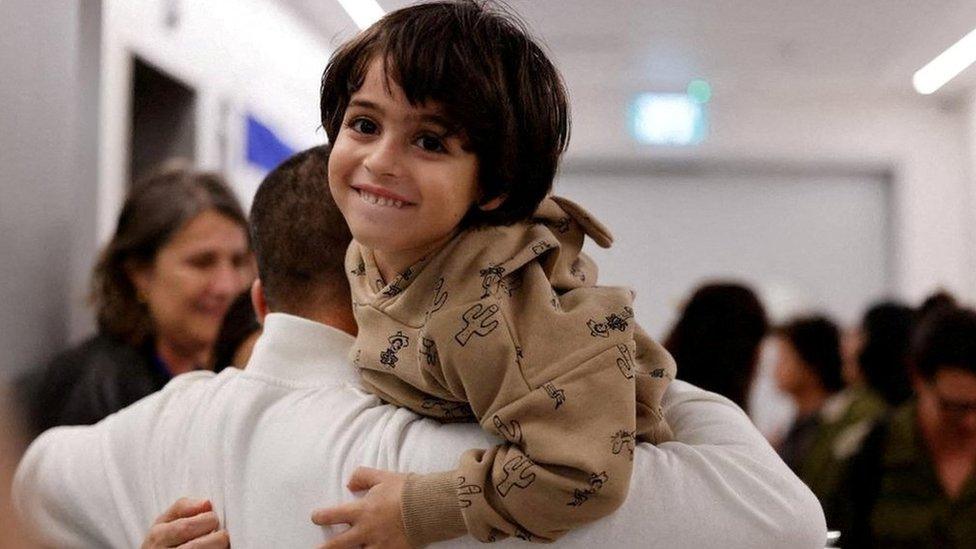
<point>84,384</point>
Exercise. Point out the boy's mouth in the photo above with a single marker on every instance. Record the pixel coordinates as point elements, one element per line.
<point>379,200</point>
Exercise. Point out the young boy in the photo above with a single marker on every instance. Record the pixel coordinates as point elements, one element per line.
<point>473,300</point>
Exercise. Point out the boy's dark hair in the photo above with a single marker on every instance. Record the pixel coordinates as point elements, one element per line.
<point>299,235</point>
<point>505,96</point>
<point>945,339</point>
<point>816,340</point>
<point>716,340</point>
<point>883,359</point>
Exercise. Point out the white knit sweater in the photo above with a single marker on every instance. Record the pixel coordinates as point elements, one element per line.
<point>269,444</point>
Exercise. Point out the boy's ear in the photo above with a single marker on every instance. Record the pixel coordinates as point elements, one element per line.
<point>492,204</point>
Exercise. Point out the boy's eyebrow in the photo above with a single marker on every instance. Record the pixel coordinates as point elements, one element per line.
<point>364,103</point>
<point>437,119</point>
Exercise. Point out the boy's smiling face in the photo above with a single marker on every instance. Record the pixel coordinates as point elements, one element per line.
<point>401,178</point>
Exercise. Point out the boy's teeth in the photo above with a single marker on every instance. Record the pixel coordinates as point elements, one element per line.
<point>380,200</point>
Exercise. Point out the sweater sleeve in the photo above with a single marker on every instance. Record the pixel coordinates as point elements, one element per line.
<point>93,485</point>
<point>557,378</point>
<point>89,464</point>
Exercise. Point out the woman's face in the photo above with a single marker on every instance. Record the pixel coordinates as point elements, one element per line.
<point>193,280</point>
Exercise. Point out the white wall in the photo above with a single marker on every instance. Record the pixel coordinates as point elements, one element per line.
<point>971,187</point>
<point>48,110</point>
<point>804,242</point>
<point>255,56</point>
<point>921,141</point>
<point>248,55</point>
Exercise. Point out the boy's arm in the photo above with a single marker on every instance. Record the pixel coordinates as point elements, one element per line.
<point>718,484</point>
<point>563,397</point>
<point>567,462</point>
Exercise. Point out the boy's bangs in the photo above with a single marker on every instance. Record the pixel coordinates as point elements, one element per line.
<point>433,68</point>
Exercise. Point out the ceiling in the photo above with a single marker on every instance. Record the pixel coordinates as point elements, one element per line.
<point>809,48</point>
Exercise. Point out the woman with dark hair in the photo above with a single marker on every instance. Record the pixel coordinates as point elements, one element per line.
<point>716,340</point>
<point>161,288</point>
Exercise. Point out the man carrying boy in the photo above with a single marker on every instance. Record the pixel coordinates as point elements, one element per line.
<point>268,444</point>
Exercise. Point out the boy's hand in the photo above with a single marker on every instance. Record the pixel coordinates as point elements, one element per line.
<point>187,523</point>
<point>375,520</point>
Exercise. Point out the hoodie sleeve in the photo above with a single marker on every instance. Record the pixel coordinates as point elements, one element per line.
<point>569,382</point>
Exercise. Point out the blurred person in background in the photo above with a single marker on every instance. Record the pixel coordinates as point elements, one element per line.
<point>161,288</point>
<point>936,301</point>
<point>913,484</point>
<point>808,369</point>
<point>883,353</point>
<point>717,337</point>
<point>238,333</point>
<point>876,358</point>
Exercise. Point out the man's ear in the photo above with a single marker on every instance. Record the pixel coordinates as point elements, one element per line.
<point>258,300</point>
<point>492,204</point>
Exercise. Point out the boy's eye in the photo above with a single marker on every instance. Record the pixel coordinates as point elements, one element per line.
<point>363,125</point>
<point>431,143</point>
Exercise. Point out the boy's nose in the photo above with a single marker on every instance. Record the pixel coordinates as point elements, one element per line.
<point>384,159</point>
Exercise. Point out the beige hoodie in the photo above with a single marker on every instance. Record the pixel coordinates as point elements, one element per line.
<point>505,326</point>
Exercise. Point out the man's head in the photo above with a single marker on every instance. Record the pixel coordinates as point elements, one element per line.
<point>491,83</point>
<point>300,241</point>
<point>944,366</point>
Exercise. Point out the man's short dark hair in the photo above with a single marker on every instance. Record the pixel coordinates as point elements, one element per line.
<point>300,237</point>
<point>493,80</point>
<point>945,339</point>
<point>817,342</point>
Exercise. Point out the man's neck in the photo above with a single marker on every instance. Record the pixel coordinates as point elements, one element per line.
<point>338,316</point>
<point>343,323</point>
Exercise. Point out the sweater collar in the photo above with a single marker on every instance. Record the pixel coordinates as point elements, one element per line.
<point>302,352</point>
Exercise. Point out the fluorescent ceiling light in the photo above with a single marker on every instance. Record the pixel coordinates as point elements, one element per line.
<point>363,12</point>
<point>947,65</point>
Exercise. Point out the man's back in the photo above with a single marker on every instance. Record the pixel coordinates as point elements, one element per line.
<point>235,439</point>
<point>269,444</point>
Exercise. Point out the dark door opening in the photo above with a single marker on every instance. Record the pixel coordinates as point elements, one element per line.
<point>163,119</point>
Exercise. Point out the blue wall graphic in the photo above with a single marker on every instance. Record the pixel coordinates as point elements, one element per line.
<point>265,149</point>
